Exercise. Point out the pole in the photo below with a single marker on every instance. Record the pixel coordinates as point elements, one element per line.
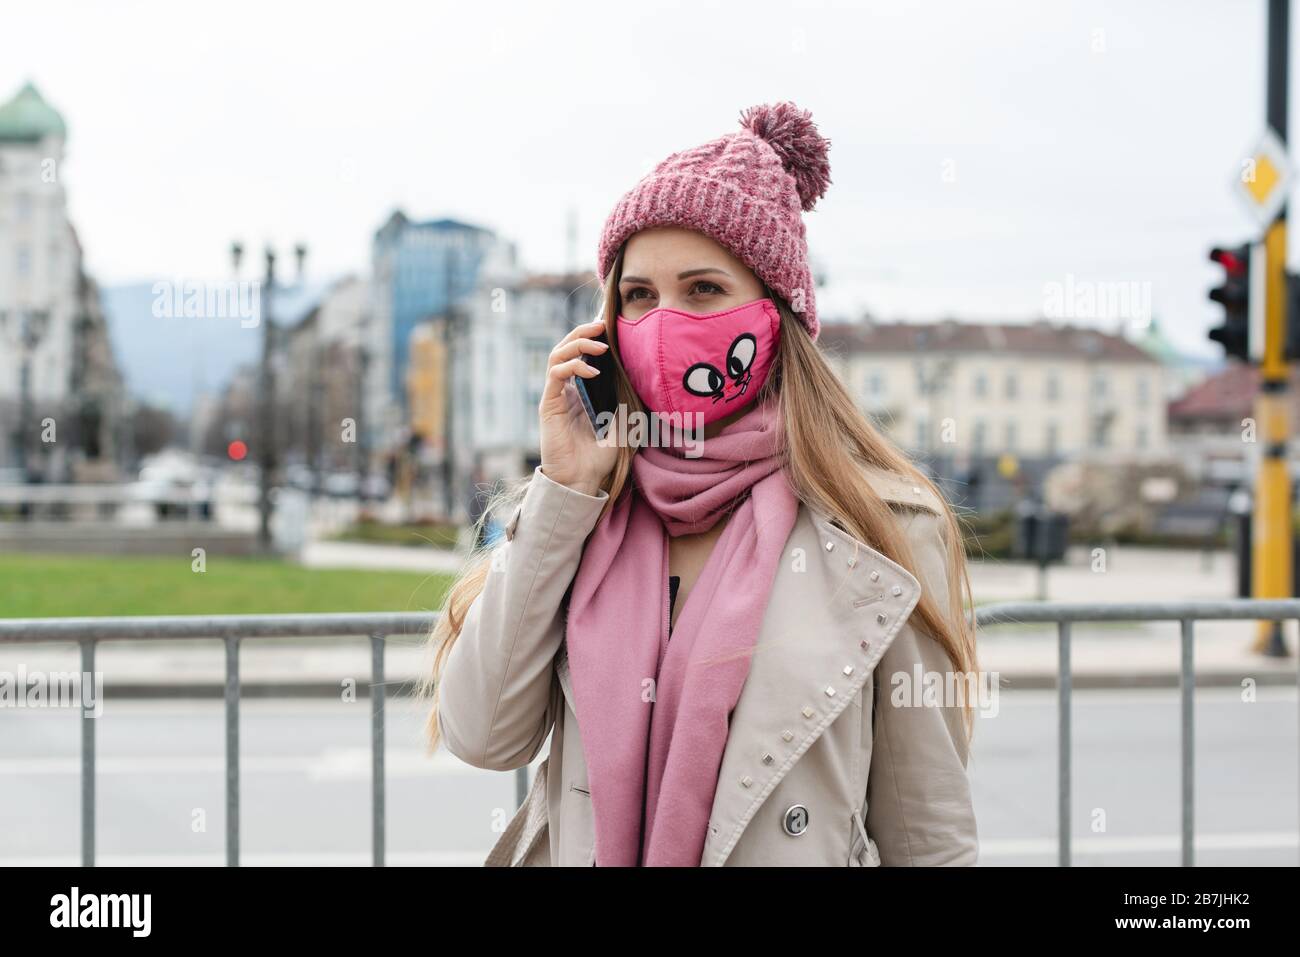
<point>266,413</point>
<point>1272,527</point>
<point>448,432</point>
<point>24,412</point>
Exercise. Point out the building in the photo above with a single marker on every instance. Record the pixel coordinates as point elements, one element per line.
<point>55,359</point>
<point>426,386</point>
<point>417,270</point>
<point>499,341</point>
<point>1212,426</point>
<point>319,395</point>
<point>977,400</point>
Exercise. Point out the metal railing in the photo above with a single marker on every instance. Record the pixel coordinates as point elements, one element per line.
<point>232,629</point>
<point>1064,614</point>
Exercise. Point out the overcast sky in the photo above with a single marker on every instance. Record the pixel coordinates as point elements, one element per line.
<point>980,151</point>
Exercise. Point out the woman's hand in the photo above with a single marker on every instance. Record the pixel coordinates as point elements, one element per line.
<point>571,453</point>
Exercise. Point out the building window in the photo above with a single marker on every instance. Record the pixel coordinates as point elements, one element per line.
<point>24,263</point>
<point>1053,390</point>
<point>981,385</point>
<point>979,436</point>
<point>1012,386</point>
<point>1142,437</point>
<point>23,207</point>
<point>1143,391</point>
<point>922,433</point>
<point>1053,438</point>
<point>1011,436</point>
<point>538,355</point>
<point>876,384</point>
<point>1099,385</point>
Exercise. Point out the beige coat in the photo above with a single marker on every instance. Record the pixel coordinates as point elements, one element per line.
<point>818,768</point>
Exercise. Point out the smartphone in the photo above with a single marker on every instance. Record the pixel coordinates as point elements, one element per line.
<point>600,394</point>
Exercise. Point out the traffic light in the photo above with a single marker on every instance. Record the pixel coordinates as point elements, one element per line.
<point>1242,332</point>
<point>1291,347</point>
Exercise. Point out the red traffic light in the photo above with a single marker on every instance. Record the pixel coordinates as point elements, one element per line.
<point>1234,261</point>
<point>237,450</point>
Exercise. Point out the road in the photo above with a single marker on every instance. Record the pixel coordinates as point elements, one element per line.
<point>306,767</point>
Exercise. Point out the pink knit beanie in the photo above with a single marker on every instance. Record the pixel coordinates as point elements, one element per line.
<point>746,190</point>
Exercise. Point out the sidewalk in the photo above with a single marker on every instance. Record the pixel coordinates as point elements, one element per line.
<point>1024,656</point>
<point>398,558</point>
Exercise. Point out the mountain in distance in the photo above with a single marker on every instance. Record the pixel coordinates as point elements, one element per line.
<point>171,360</point>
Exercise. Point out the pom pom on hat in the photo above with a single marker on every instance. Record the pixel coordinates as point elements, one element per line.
<point>793,136</point>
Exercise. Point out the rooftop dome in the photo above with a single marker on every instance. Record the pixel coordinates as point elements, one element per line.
<point>27,118</point>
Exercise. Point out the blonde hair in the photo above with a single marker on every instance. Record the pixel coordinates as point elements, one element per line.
<point>828,441</point>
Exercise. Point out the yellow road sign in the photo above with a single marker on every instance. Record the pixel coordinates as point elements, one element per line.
<point>1265,178</point>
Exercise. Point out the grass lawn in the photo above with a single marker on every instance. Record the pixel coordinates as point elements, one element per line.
<point>45,586</point>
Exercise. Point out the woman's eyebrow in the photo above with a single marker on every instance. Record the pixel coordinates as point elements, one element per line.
<point>681,275</point>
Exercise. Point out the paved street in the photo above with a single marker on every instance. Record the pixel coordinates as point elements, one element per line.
<point>306,791</point>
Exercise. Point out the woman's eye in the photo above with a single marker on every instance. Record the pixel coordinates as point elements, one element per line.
<point>633,295</point>
<point>705,288</point>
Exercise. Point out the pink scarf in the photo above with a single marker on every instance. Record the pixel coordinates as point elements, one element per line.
<point>654,713</point>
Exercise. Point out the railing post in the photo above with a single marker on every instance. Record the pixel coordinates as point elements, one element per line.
<point>232,751</point>
<point>1187,686</point>
<point>87,757</point>
<point>377,748</point>
<point>1063,683</point>
<point>521,786</point>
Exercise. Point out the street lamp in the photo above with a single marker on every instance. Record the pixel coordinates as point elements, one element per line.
<point>266,386</point>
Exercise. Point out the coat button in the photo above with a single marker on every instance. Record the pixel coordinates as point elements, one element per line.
<point>795,821</point>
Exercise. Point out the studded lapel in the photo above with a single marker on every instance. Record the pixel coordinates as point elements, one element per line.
<point>835,607</point>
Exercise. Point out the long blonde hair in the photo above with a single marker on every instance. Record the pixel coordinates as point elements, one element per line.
<point>828,441</point>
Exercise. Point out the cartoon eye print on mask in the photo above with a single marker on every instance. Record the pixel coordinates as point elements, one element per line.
<point>704,379</point>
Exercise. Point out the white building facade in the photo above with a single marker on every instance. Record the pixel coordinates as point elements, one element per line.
<point>500,350</point>
<point>48,321</point>
<point>970,391</point>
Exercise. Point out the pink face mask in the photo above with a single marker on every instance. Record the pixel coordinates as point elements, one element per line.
<point>714,364</point>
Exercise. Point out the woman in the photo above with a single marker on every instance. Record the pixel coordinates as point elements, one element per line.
<point>713,641</point>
